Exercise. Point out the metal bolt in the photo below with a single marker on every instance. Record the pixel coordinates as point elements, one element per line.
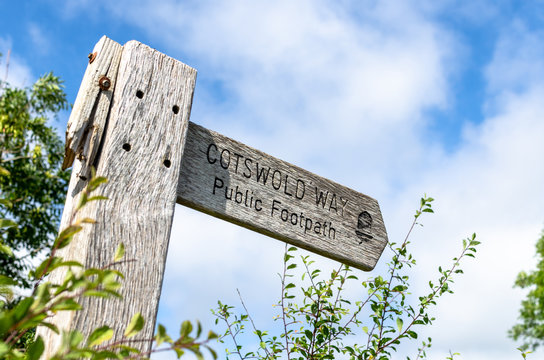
<point>104,82</point>
<point>91,57</point>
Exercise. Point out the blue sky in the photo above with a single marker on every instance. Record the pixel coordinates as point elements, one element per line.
<point>445,96</point>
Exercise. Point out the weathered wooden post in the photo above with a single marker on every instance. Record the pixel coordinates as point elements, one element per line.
<point>130,121</point>
<point>141,100</point>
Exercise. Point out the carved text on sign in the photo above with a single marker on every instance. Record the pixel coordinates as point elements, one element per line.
<point>281,182</point>
<point>237,183</point>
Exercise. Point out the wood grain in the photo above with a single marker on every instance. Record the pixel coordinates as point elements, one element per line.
<point>237,183</point>
<point>140,155</point>
<point>88,118</point>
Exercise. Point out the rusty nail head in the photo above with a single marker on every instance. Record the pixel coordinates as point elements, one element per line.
<point>91,57</point>
<point>104,82</point>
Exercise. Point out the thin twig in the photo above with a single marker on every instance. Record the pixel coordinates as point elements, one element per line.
<point>429,300</point>
<point>318,312</point>
<point>252,323</point>
<point>233,337</point>
<point>283,304</point>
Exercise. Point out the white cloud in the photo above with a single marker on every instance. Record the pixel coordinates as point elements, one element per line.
<point>493,186</point>
<point>518,64</point>
<point>309,82</point>
<point>40,40</point>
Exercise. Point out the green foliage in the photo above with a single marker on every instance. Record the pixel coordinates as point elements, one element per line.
<point>524,353</point>
<point>530,328</point>
<point>18,320</point>
<point>319,322</point>
<point>32,184</point>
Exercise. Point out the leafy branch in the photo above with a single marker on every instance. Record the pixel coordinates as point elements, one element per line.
<point>325,324</point>
<point>78,282</point>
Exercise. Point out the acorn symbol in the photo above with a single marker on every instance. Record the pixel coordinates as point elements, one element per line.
<point>364,226</point>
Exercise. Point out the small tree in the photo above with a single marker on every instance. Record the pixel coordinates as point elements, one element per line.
<point>319,322</point>
<point>530,328</point>
<point>19,319</point>
<point>32,184</point>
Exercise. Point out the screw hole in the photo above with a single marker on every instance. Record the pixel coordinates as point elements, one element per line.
<point>139,94</point>
<point>175,109</point>
<point>126,147</point>
<point>167,163</point>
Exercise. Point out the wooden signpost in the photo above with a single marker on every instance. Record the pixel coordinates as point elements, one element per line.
<point>131,122</point>
<point>232,181</point>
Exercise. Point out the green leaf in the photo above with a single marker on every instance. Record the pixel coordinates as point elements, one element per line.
<point>6,203</point>
<point>135,326</point>
<point>35,350</point>
<point>162,336</point>
<point>6,223</point>
<point>97,197</point>
<point>71,339</point>
<point>127,350</point>
<point>50,326</point>
<point>82,201</point>
<point>119,253</point>
<point>96,293</point>
<point>7,281</point>
<point>100,335</point>
<point>6,250</point>
<point>65,237</point>
<point>4,348</point>
<point>179,352</point>
<point>212,351</point>
<point>71,263</point>
<point>86,221</point>
<point>106,354</point>
<point>186,328</point>
<point>22,308</point>
<point>96,182</point>
<point>67,305</point>
<point>45,267</point>
<point>57,262</point>
<point>196,352</point>
<point>399,324</point>
<point>69,231</point>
